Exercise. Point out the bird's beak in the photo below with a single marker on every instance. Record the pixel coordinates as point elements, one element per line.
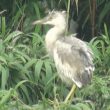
<point>42,21</point>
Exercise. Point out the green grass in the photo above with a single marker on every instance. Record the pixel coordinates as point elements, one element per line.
<point>28,77</point>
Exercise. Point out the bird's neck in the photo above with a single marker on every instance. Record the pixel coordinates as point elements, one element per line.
<point>52,36</point>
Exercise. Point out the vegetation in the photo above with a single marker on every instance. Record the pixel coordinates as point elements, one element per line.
<point>28,78</point>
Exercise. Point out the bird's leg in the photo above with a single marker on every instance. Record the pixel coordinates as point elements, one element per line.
<point>71,93</point>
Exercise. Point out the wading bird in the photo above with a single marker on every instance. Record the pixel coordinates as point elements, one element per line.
<point>72,57</point>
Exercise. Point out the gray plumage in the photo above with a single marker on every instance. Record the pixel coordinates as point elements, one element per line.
<point>72,57</point>
<point>73,62</point>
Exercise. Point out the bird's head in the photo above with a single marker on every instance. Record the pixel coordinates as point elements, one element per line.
<point>54,18</point>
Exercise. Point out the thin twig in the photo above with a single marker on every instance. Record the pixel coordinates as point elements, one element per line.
<point>2,12</point>
<point>68,8</point>
<point>92,15</point>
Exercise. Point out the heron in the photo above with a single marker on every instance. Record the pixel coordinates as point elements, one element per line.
<point>73,57</point>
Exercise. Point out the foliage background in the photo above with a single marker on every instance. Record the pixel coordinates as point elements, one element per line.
<point>28,79</point>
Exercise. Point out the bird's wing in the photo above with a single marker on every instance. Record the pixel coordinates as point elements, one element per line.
<point>74,57</point>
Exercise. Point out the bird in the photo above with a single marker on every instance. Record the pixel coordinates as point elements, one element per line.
<point>73,57</point>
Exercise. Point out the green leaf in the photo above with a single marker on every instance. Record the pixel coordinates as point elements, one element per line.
<point>74,107</point>
<point>6,97</point>
<point>106,32</point>
<point>83,106</point>
<point>3,25</point>
<point>12,35</point>
<point>20,83</point>
<point>5,75</point>
<point>48,71</point>
<point>21,53</point>
<point>2,59</point>
<point>38,68</point>
<point>30,63</point>
<point>36,7</point>
<point>38,37</point>
<point>104,12</point>
<point>26,93</point>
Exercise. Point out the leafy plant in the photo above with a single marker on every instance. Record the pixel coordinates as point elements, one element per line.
<point>28,75</point>
<point>99,90</point>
